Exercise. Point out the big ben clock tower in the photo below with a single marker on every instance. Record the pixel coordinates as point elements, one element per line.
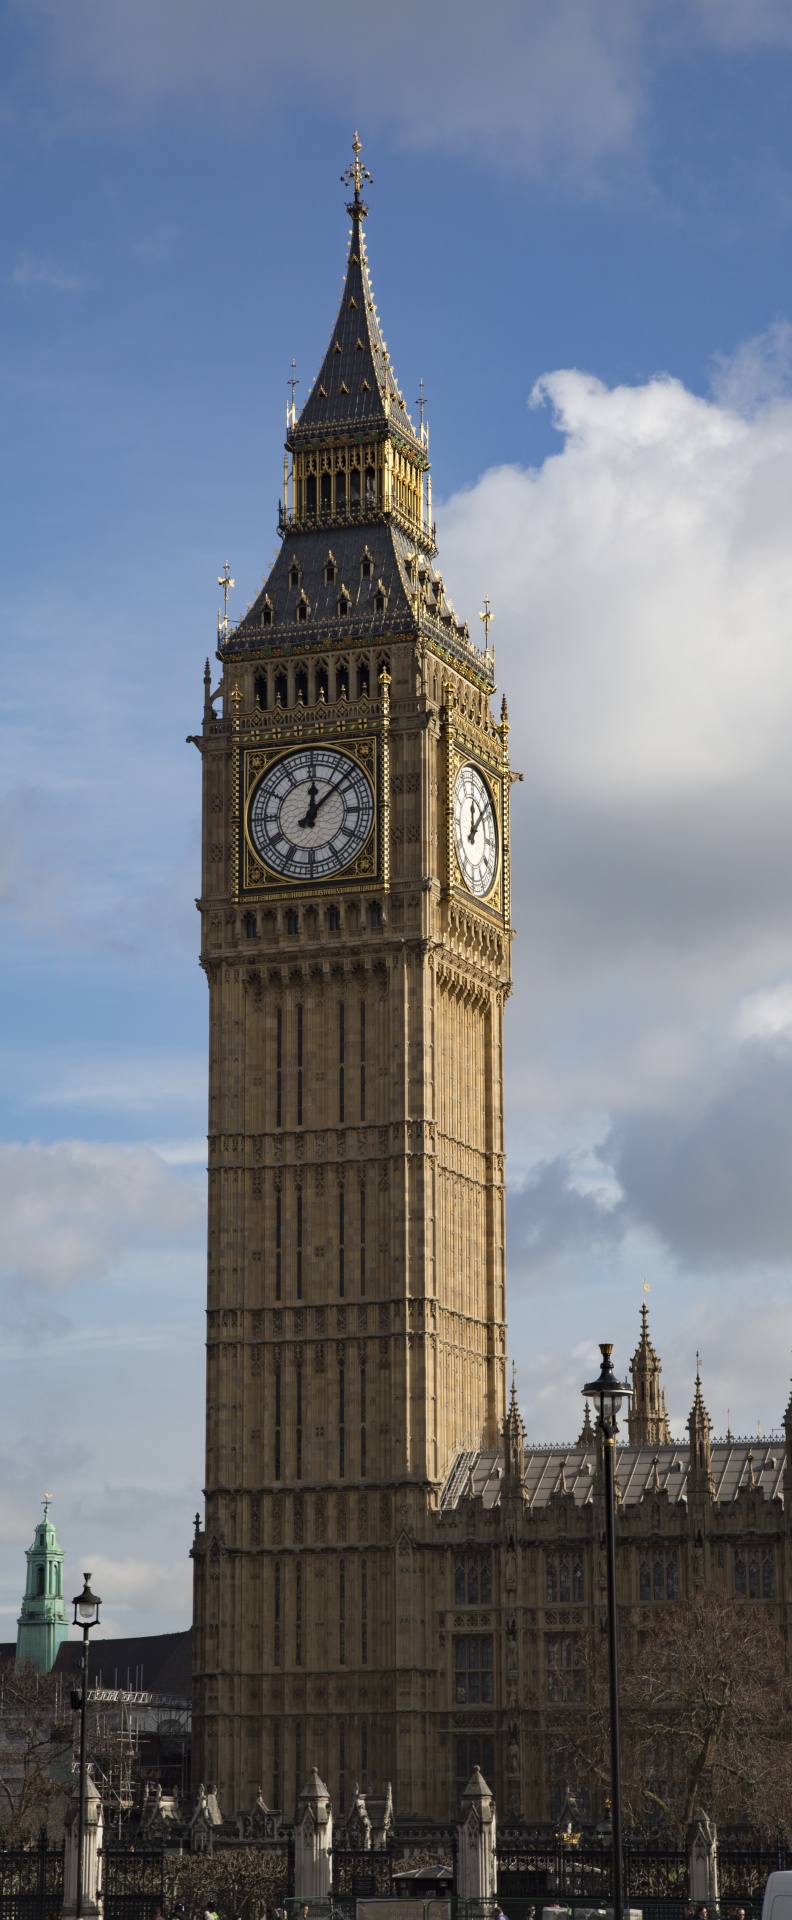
<point>355,938</point>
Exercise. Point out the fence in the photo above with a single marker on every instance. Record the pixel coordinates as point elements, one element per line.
<point>31,1881</point>
<point>132,1883</point>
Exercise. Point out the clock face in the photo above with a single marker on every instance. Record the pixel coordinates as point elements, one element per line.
<point>475,831</point>
<point>311,813</point>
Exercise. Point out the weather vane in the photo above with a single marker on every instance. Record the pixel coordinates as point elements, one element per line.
<point>354,177</point>
<point>487,616</point>
<point>225,581</point>
<point>45,1503</point>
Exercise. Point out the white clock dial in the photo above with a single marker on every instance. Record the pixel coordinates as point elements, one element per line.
<point>475,831</point>
<point>311,813</point>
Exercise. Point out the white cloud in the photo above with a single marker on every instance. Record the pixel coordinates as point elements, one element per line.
<point>142,1585</point>
<point>71,1210</point>
<point>30,272</point>
<point>641,582</point>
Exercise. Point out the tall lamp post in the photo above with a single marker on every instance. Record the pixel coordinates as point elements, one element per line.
<point>607,1393</point>
<point>86,1615</point>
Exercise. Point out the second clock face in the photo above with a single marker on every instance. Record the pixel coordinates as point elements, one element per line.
<point>475,831</point>
<point>311,813</point>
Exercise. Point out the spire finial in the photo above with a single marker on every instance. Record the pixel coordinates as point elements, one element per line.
<point>354,177</point>
<point>291,410</point>
<point>513,1397</point>
<point>487,616</point>
<point>698,1368</point>
<point>46,1503</point>
<point>225,581</point>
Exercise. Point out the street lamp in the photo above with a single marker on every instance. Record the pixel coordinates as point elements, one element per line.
<point>86,1615</point>
<point>607,1393</point>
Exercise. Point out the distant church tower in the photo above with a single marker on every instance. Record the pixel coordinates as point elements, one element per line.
<point>356,943</point>
<point>647,1420</point>
<point>43,1625</point>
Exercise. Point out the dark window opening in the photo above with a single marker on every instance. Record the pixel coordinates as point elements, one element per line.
<point>250,925</point>
<point>294,577</point>
<point>342,682</point>
<point>277,1426</point>
<point>341,1063</point>
<point>341,1614</point>
<point>321,683</point>
<point>299,1066</point>
<point>362,1241</point>
<point>299,1433</point>
<point>299,1246</point>
<point>334,919</point>
<point>310,494</point>
<point>362,678</point>
<point>341,1245</point>
<point>477,1751</point>
<point>278,1244</point>
<point>379,603</point>
<point>354,487</point>
<point>371,487</point>
<point>302,610</point>
<point>364,1629</point>
<point>365,567</point>
<point>277,1645</point>
<point>340,491</point>
<point>276,1777</point>
<point>362,1059</point>
<point>375,914</point>
<point>473,1670</point>
<point>261,691</point>
<point>292,921</point>
<point>343,605</point>
<point>266,620</point>
<point>330,572</point>
<point>566,1674</point>
<point>362,1423</point>
<point>325,492</point>
<point>301,685</point>
<point>298,1650</point>
<point>39,1581</point>
<point>281,689</point>
<point>341,1427</point>
<point>279,1068</point>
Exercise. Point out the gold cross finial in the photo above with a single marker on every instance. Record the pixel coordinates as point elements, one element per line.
<point>354,177</point>
<point>225,581</point>
<point>291,410</point>
<point>487,616</point>
<point>45,1503</point>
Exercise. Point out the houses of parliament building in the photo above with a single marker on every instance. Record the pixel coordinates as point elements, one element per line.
<point>389,1584</point>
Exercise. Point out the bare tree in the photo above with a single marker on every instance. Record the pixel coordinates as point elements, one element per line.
<point>35,1753</point>
<point>236,1879</point>
<point>705,1700</point>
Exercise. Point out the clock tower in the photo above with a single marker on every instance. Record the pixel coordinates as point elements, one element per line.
<point>355,938</point>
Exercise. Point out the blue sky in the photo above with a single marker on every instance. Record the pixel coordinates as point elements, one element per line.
<point>580,239</point>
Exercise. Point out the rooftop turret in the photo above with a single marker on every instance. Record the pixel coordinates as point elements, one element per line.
<point>43,1625</point>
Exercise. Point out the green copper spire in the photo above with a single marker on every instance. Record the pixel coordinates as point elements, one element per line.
<point>42,1625</point>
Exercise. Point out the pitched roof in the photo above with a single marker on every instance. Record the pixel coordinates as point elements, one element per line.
<point>733,1462</point>
<point>144,1663</point>
<point>356,385</point>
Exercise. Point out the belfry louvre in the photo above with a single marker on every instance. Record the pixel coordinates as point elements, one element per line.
<point>386,1586</point>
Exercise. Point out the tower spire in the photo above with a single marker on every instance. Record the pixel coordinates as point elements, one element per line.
<point>700,1478</point>
<point>647,1420</point>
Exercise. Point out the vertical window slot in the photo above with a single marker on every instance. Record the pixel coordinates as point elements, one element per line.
<point>278,1243</point>
<point>362,1060</point>
<point>341,1050</point>
<point>299,1248</point>
<point>278,1425</point>
<point>341,1243</point>
<point>299,1066</point>
<point>279,1070</point>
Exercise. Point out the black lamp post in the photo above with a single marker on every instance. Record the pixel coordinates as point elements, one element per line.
<point>607,1393</point>
<point>86,1615</point>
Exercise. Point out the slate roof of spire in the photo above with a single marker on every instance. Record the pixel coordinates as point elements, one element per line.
<point>356,385</point>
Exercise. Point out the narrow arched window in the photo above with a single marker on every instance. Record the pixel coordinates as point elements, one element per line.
<point>310,495</point>
<point>325,492</point>
<point>362,678</point>
<point>39,1581</point>
<point>261,690</point>
<point>281,689</point>
<point>354,488</point>
<point>301,685</point>
<point>341,495</point>
<point>371,487</point>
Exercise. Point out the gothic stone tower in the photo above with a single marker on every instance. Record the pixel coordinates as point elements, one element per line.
<point>355,937</point>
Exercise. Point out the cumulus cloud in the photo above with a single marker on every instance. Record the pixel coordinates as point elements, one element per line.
<point>141,1585</point>
<point>71,1210</point>
<point>641,581</point>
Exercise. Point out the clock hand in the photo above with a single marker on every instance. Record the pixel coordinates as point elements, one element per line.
<point>310,814</point>
<point>325,796</point>
<point>474,823</point>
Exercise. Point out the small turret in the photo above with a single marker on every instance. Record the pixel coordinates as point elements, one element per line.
<point>514,1442</point>
<point>43,1625</point>
<point>647,1420</point>
<point>700,1480</point>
